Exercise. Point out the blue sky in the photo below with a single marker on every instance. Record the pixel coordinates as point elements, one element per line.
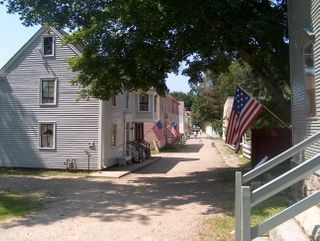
<point>14,35</point>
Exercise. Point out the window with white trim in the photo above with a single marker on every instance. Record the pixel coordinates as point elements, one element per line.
<point>48,91</point>
<point>48,46</point>
<point>143,102</point>
<point>47,135</point>
<point>309,74</point>
<point>114,135</point>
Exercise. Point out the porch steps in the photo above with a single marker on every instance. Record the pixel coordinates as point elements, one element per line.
<point>288,231</point>
<point>304,227</point>
<point>310,222</point>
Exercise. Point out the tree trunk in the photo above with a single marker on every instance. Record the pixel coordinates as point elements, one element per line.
<point>270,83</point>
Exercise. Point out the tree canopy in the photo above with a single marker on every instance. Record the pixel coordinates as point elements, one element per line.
<point>135,44</point>
<point>187,98</point>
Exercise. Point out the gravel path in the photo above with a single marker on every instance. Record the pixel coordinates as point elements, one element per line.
<point>167,200</point>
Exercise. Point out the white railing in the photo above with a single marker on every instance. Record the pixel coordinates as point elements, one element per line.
<point>246,150</point>
<point>245,198</point>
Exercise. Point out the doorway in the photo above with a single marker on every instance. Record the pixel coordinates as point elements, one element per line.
<point>138,131</point>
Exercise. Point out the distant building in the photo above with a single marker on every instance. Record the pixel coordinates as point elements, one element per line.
<point>227,108</point>
<point>181,117</point>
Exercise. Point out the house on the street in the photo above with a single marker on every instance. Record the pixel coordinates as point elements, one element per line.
<point>43,124</point>
<point>165,109</point>
<point>304,33</point>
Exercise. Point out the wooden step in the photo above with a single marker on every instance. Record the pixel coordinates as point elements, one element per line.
<point>309,220</point>
<point>288,231</point>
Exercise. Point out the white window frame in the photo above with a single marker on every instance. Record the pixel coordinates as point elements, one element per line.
<point>148,104</point>
<point>53,135</point>
<point>53,45</point>
<point>55,91</point>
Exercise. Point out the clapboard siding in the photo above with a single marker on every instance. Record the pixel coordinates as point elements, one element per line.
<point>303,15</point>
<point>76,121</point>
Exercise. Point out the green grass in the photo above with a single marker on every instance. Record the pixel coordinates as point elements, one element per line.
<point>221,226</point>
<point>42,173</point>
<point>14,205</point>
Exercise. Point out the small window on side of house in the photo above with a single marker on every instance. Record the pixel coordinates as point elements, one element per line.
<point>143,102</point>
<point>48,46</point>
<point>309,75</point>
<point>114,135</point>
<point>155,103</point>
<point>114,101</point>
<point>127,99</point>
<point>47,135</point>
<point>48,89</point>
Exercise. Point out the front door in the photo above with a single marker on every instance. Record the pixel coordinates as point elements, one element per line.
<point>138,131</point>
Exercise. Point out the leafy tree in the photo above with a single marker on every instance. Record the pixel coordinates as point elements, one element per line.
<point>186,97</point>
<point>206,106</point>
<point>241,74</point>
<point>134,44</point>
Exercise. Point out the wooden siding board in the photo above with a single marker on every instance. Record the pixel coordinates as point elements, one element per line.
<point>76,121</point>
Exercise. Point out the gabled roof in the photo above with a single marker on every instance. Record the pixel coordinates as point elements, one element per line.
<point>59,33</point>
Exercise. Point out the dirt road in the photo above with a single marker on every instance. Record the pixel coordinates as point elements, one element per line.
<point>167,200</point>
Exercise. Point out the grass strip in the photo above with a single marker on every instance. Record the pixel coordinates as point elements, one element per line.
<point>15,205</point>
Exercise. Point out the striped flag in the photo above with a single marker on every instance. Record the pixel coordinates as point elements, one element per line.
<point>157,130</point>
<point>245,110</point>
<point>172,129</point>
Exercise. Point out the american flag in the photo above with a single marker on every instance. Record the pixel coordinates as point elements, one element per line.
<point>245,110</point>
<point>157,130</point>
<point>172,129</point>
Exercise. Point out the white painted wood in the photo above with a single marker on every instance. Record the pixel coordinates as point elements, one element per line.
<point>76,121</point>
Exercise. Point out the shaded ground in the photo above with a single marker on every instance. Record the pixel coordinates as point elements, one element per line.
<point>167,200</point>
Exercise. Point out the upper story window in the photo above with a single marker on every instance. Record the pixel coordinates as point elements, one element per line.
<point>114,135</point>
<point>114,101</point>
<point>155,103</point>
<point>143,102</point>
<point>309,73</point>
<point>47,135</point>
<point>48,45</point>
<point>127,99</point>
<point>48,91</point>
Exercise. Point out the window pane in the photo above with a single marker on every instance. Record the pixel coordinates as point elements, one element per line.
<point>46,135</point>
<point>48,45</point>
<point>310,80</point>
<point>114,135</point>
<point>127,100</point>
<point>48,91</point>
<point>144,102</point>
<point>155,103</point>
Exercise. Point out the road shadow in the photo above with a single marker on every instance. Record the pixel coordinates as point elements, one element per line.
<point>135,200</point>
<point>163,166</point>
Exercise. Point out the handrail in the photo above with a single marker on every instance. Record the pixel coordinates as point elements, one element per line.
<point>285,180</point>
<point>285,215</point>
<point>245,199</point>
<point>280,158</point>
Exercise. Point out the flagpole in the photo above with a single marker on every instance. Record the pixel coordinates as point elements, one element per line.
<point>266,108</point>
<point>276,116</point>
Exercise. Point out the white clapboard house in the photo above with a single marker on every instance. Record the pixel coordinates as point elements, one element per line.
<point>43,124</point>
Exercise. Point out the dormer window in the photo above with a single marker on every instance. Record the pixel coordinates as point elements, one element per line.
<point>48,45</point>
